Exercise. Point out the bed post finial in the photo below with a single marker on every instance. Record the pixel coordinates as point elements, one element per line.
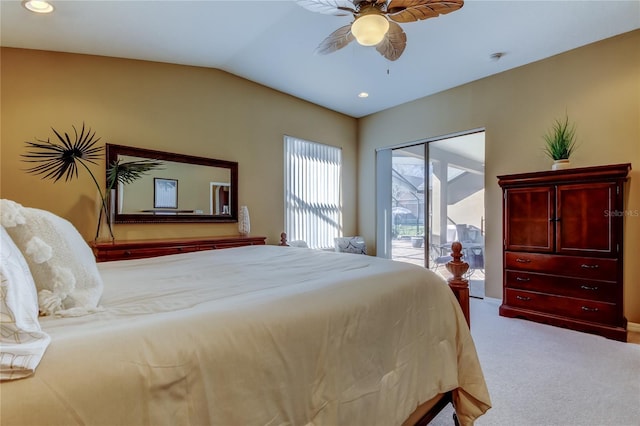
<point>458,284</point>
<point>283,239</point>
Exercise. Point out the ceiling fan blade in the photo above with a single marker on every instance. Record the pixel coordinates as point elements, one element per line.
<point>416,10</point>
<point>329,7</point>
<point>336,40</point>
<point>394,42</point>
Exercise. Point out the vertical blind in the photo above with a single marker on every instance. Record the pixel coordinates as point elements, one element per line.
<point>384,166</point>
<point>313,210</point>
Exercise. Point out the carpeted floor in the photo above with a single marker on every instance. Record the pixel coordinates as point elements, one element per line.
<point>543,375</point>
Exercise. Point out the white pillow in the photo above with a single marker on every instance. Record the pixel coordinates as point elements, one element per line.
<point>298,243</point>
<point>61,262</point>
<point>22,341</point>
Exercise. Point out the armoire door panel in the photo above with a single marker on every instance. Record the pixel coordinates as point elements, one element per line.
<point>585,223</point>
<point>529,214</point>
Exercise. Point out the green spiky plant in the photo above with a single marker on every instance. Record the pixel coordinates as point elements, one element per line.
<point>64,157</point>
<point>560,140</point>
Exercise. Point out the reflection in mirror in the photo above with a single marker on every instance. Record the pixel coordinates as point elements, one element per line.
<point>194,190</point>
<point>184,189</point>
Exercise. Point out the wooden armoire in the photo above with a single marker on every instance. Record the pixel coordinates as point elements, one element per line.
<point>563,235</point>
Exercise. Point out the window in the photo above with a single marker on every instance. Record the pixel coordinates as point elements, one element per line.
<point>313,209</point>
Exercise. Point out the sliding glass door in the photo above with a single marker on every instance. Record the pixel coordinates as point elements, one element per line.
<point>431,194</point>
<point>408,204</point>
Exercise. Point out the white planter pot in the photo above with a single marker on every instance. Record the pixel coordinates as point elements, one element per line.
<point>561,164</point>
<point>416,242</point>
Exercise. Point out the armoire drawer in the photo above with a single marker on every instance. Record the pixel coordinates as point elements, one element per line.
<point>585,310</point>
<point>593,268</point>
<point>562,286</point>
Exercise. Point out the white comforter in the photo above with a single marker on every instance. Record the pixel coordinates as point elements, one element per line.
<point>260,335</point>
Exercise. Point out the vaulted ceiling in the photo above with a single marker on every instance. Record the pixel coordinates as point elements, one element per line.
<point>273,42</point>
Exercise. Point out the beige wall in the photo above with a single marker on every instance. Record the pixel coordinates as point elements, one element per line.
<point>598,86</point>
<point>189,110</point>
<point>207,112</point>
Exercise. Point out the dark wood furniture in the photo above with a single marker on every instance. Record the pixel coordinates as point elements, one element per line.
<point>563,233</point>
<point>138,249</point>
<point>196,172</point>
<point>457,283</point>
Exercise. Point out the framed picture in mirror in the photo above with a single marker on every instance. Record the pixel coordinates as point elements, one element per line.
<point>165,193</point>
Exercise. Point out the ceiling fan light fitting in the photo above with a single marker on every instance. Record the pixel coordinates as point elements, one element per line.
<point>38,6</point>
<point>370,29</point>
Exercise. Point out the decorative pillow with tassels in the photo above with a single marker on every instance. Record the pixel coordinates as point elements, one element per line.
<point>22,341</point>
<point>61,262</point>
<point>350,245</point>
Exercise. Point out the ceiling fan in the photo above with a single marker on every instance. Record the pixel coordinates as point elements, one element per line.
<point>375,21</point>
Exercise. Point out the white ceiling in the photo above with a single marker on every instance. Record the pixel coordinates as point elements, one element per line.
<point>273,42</point>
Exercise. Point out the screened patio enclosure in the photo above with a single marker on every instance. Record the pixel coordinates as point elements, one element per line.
<point>436,196</point>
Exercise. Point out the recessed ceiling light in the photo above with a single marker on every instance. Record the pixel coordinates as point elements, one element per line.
<point>38,6</point>
<point>363,95</point>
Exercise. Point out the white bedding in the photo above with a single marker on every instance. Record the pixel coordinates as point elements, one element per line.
<point>259,335</point>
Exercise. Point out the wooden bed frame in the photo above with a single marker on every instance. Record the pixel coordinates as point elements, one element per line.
<point>427,411</point>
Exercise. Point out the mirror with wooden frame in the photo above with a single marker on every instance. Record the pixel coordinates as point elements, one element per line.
<point>185,188</point>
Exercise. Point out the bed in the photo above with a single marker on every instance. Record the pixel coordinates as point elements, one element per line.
<point>257,335</point>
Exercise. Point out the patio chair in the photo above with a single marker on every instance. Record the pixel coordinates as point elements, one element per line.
<point>438,256</point>
<point>474,256</point>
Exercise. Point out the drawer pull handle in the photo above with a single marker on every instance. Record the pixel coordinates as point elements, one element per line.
<point>525,298</point>
<point>585,266</point>
<point>521,260</point>
<point>523,279</point>
<point>588,309</point>
<point>127,253</point>
<point>586,287</point>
